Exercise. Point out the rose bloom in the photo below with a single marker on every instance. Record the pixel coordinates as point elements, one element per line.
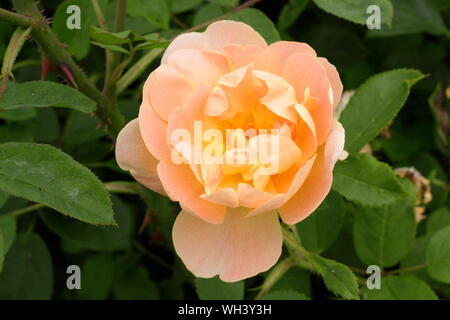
<point>229,78</point>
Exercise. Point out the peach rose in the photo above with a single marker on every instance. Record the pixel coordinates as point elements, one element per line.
<point>229,78</point>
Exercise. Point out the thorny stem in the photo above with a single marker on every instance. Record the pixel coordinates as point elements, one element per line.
<point>137,69</point>
<point>275,274</point>
<point>55,50</point>
<point>407,269</point>
<point>125,187</point>
<point>15,18</point>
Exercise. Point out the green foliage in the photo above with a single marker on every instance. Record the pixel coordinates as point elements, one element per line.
<point>402,287</point>
<point>438,220</point>
<point>356,10</point>
<point>259,21</point>
<point>45,174</point>
<point>39,94</point>
<point>290,13</point>
<point>66,202</point>
<point>366,181</point>
<point>438,255</point>
<point>178,6</point>
<point>135,284</point>
<point>77,40</point>
<point>216,289</point>
<point>320,230</point>
<point>414,16</point>
<point>28,271</point>
<point>284,295</point>
<point>97,277</point>
<point>374,104</point>
<point>383,236</point>
<point>98,238</point>
<point>155,11</point>
<point>338,278</point>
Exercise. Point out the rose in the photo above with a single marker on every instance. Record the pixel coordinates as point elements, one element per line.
<point>229,78</point>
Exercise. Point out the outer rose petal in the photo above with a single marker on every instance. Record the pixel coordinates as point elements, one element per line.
<point>302,70</point>
<point>190,40</point>
<point>238,248</point>
<point>133,156</point>
<point>279,52</point>
<point>335,80</point>
<point>318,183</point>
<point>181,185</point>
<point>221,33</point>
<point>152,129</point>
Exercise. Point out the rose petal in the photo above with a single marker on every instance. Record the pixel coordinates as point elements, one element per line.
<point>152,128</point>
<point>318,184</point>
<point>240,56</point>
<point>181,185</point>
<point>278,53</point>
<point>198,67</point>
<point>280,199</point>
<point>305,73</point>
<point>250,197</point>
<point>225,32</point>
<point>190,40</point>
<point>280,96</point>
<point>238,248</point>
<point>168,91</point>
<point>335,80</point>
<point>133,156</point>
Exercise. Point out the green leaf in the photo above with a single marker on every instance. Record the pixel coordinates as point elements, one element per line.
<point>41,94</point>
<point>105,37</point>
<point>98,238</point>
<point>155,11</point>
<point>15,132</point>
<point>356,10</point>
<point>178,6</point>
<point>375,104</point>
<point>403,287</point>
<point>438,220</point>
<point>46,175</point>
<point>3,198</point>
<point>290,12</point>
<point>48,133</point>
<point>413,16</point>
<point>216,289</point>
<point>206,13</point>
<point>383,236</point>
<point>284,295</point>
<point>152,44</point>
<point>77,40</point>
<point>416,256</point>
<point>338,278</point>
<point>97,277</point>
<point>295,279</point>
<point>81,128</point>
<point>225,3</point>
<point>8,226</point>
<point>363,179</point>
<point>18,114</point>
<point>320,229</point>
<point>28,271</point>
<point>135,285</point>
<point>438,255</point>
<point>112,48</point>
<point>258,21</point>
